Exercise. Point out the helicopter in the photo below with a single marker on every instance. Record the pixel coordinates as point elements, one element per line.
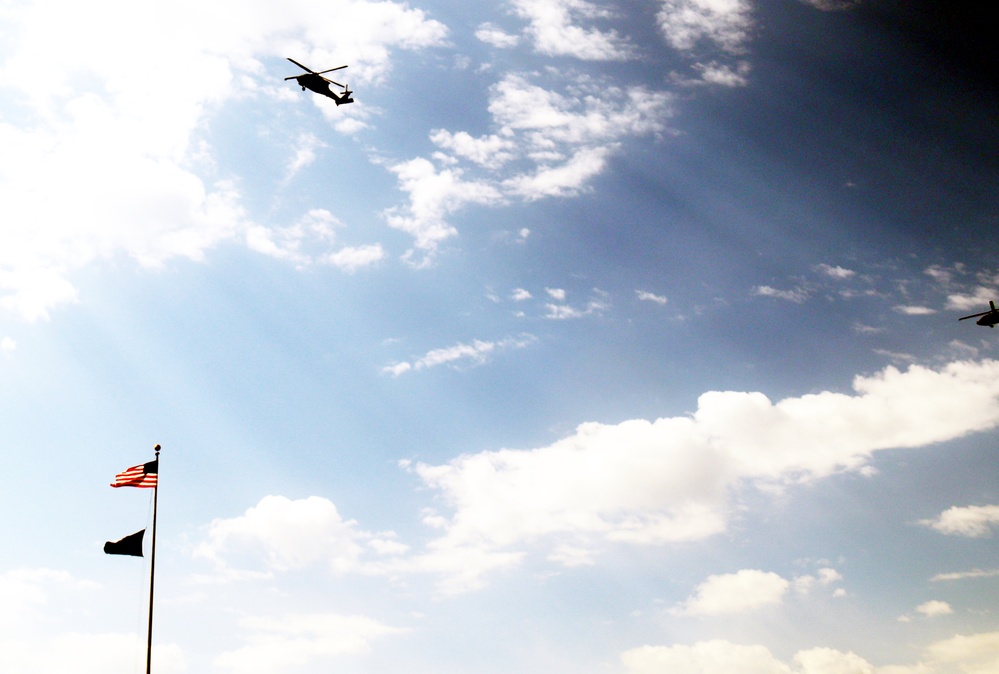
<point>989,318</point>
<point>316,82</point>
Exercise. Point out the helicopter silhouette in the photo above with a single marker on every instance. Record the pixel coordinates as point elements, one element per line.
<point>989,318</point>
<point>316,82</point>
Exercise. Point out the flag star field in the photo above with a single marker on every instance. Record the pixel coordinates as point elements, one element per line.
<point>593,337</point>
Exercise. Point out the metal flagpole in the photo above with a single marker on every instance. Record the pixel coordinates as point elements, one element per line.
<point>152,565</point>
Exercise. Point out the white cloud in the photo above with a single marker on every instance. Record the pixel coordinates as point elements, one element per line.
<point>433,195</point>
<point>555,30</point>
<point>7,345</point>
<point>726,23</point>
<point>287,535</point>
<point>975,301</point>
<point>652,482</point>
<point>565,179</point>
<point>489,151</point>
<point>837,272</point>
<point>934,608</point>
<point>796,295</point>
<point>545,143</point>
<point>556,293</point>
<point>738,592</point>
<point>962,575</point>
<point>706,657</point>
<point>723,74</point>
<point>973,654</point>
<point>295,640</point>
<point>561,312</point>
<point>646,296</point>
<point>477,352</point>
<point>114,129</point>
<point>910,310</point>
<point>969,521</point>
<point>520,295</point>
<point>352,258</point>
<point>491,34</point>
<point>826,576</point>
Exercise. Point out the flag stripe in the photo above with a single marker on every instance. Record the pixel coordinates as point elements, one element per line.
<point>143,475</point>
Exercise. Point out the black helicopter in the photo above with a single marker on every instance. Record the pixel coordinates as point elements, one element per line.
<point>989,318</point>
<point>316,82</point>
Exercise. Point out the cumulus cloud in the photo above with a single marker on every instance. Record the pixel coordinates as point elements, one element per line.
<point>934,608</point>
<point>738,592</point>
<point>724,657</point>
<point>968,521</point>
<point>978,653</point>
<point>672,479</point>
<point>115,128</point>
<point>282,534</point>
<point>724,23</point>
<point>555,30</point>
<point>637,482</point>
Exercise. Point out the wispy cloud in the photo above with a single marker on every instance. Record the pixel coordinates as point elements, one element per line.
<point>545,142</point>
<point>963,575</point>
<point>475,352</point>
<point>646,296</point>
<point>914,310</point>
<point>796,295</point>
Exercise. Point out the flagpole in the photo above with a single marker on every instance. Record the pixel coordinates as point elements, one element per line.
<point>152,566</point>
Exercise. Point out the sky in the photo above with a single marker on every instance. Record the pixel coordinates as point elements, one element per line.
<point>595,337</point>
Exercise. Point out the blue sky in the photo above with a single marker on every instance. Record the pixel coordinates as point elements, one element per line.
<point>594,337</point>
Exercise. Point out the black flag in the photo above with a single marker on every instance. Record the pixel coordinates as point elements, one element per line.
<point>130,545</point>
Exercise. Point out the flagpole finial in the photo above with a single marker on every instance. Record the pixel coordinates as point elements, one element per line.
<point>156,449</point>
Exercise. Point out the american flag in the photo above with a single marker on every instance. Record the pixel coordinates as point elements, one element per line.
<point>143,475</point>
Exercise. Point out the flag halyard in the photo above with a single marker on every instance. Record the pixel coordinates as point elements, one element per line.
<point>143,475</point>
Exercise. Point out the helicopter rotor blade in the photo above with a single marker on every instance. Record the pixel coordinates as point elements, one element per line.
<point>974,315</point>
<point>301,66</point>
<point>331,70</point>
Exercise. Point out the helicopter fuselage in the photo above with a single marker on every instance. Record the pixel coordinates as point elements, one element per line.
<point>990,319</point>
<point>320,85</point>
